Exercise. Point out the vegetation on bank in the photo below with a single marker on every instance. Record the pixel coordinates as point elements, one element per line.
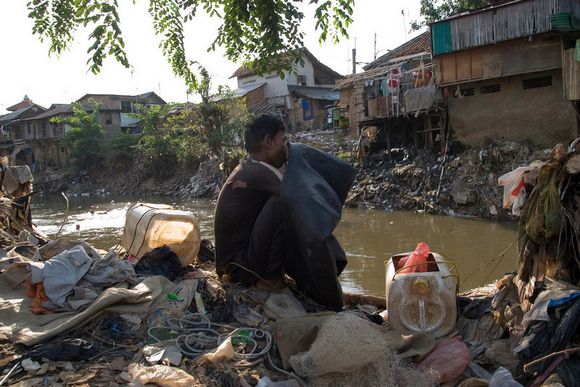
<point>169,136</point>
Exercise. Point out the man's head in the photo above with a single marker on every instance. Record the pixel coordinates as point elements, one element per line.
<point>266,140</point>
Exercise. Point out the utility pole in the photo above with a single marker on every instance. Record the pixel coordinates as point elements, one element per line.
<point>375,50</point>
<point>354,60</point>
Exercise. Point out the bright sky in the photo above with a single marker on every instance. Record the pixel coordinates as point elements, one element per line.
<point>26,68</point>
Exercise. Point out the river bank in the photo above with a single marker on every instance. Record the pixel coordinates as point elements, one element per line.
<point>463,184</point>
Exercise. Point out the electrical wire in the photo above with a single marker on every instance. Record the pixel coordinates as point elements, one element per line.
<point>284,372</point>
<point>197,335</point>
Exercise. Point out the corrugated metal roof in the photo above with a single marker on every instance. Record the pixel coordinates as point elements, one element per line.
<point>418,44</point>
<point>513,20</point>
<point>56,109</point>
<point>14,115</point>
<point>242,91</point>
<point>318,93</point>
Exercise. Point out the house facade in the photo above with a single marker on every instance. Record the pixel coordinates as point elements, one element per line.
<point>115,110</point>
<point>15,128</point>
<point>29,136</point>
<point>396,97</point>
<point>301,97</point>
<point>511,71</point>
<point>46,139</point>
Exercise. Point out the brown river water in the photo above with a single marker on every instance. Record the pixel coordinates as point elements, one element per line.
<point>369,237</point>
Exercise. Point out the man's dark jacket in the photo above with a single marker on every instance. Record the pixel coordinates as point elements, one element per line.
<point>313,192</point>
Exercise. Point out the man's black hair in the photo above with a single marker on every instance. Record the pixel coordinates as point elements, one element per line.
<point>259,128</point>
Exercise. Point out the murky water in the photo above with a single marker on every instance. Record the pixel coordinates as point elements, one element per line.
<point>369,237</point>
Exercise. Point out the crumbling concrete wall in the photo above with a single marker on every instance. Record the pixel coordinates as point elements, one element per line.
<point>539,115</point>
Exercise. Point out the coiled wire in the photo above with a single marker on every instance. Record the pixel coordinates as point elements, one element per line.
<point>197,335</point>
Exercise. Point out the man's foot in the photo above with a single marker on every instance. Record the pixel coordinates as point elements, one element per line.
<point>275,284</point>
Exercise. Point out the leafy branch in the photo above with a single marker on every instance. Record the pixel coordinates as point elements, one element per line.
<point>255,32</point>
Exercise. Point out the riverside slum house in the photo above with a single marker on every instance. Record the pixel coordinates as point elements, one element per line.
<point>395,101</point>
<point>302,98</point>
<point>31,137</point>
<point>12,133</point>
<point>511,71</point>
<point>505,72</point>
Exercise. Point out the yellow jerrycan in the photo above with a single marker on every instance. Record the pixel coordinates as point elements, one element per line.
<point>148,226</point>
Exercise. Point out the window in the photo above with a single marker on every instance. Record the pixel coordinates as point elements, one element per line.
<point>271,76</point>
<point>302,80</point>
<point>495,88</point>
<point>468,92</point>
<point>126,106</point>
<point>28,127</point>
<point>108,118</point>
<point>62,149</point>
<point>248,82</point>
<point>534,83</point>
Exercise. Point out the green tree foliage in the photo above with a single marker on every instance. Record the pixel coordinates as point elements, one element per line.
<point>121,149</point>
<point>156,146</point>
<point>433,10</point>
<point>185,135</point>
<point>85,138</point>
<point>254,32</point>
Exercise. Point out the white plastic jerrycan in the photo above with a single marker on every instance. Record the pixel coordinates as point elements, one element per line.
<point>148,226</point>
<point>422,301</point>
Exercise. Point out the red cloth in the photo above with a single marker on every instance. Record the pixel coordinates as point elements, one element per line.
<point>36,291</point>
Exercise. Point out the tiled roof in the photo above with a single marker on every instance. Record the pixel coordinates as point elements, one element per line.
<point>22,104</point>
<point>418,44</point>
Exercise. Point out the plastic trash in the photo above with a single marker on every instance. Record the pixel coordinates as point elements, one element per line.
<point>448,360</point>
<point>267,382</point>
<point>225,351</point>
<point>503,378</point>
<point>245,315</point>
<point>417,261</point>
<point>30,365</point>
<point>160,375</point>
<point>264,381</point>
<point>422,301</point>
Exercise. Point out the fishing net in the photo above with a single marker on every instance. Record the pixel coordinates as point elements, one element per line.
<point>351,351</point>
<point>386,371</point>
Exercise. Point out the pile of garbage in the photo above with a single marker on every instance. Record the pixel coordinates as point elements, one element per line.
<point>72,314</point>
<point>459,183</point>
